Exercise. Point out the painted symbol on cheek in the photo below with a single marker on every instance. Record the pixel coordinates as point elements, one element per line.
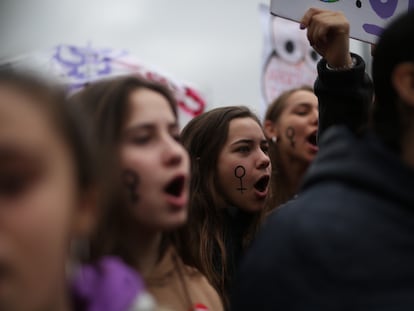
<point>131,180</point>
<point>239,172</point>
<point>290,134</point>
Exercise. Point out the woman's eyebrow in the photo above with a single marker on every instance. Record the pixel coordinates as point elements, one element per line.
<point>304,104</point>
<point>141,126</point>
<point>243,141</point>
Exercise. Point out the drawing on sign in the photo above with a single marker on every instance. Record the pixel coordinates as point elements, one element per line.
<point>81,65</point>
<point>291,61</point>
<point>367,18</point>
<point>384,10</point>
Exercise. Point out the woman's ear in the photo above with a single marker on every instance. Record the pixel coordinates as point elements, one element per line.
<point>87,214</point>
<point>269,129</point>
<point>403,82</point>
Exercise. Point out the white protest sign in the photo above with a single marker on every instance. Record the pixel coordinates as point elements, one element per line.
<point>366,17</point>
<point>288,60</point>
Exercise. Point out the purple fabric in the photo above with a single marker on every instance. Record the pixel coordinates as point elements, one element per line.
<point>109,285</point>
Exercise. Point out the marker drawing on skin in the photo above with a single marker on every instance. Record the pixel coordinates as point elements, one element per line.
<point>239,172</point>
<point>290,134</point>
<point>131,180</point>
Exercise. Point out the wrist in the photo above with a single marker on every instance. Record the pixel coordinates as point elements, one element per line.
<point>349,65</point>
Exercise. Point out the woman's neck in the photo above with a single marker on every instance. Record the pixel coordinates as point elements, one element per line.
<point>145,247</point>
<point>293,170</point>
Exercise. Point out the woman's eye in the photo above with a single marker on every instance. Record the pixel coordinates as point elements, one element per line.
<point>176,137</point>
<point>302,112</point>
<point>140,140</point>
<point>243,149</point>
<point>265,149</point>
<point>12,185</point>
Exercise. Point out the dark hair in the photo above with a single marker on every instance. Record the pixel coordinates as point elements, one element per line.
<point>280,190</point>
<point>66,119</point>
<point>203,236</point>
<point>106,106</point>
<point>395,46</point>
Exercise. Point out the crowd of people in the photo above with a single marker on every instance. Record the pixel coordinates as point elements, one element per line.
<point>105,204</point>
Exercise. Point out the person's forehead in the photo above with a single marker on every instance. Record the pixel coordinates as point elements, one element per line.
<point>246,128</point>
<point>24,126</point>
<point>302,97</point>
<point>145,104</point>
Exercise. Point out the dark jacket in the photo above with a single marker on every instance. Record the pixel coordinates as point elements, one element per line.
<point>347,241</point>
<point>344,97</point>
<point>340,105</point>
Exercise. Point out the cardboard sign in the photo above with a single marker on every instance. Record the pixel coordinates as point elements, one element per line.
<point>366,17</point>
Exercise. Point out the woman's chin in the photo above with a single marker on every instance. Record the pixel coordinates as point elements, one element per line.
<point>175,222</point>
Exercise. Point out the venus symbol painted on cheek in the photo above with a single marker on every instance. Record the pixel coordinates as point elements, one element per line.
<point>131,181</point>
<point>240,172</point>
<point>290,134</point>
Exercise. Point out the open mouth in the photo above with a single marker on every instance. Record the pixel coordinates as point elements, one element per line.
<point>175,187</point>
<point>262,183</point>
<point>312,139</point>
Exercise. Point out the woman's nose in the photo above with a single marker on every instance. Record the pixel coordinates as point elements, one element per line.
<point>264,160</point>
<point>173,152</point>
<point>315,117</point>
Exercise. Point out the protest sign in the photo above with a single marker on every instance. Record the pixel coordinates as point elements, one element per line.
<point>367,17</point>
<point>77,66</point>
<point>288,60</point>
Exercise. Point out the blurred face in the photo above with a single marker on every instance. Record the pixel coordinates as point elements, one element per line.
<point>244,166</point>
<point>155,166</point>
<point>38,200</point>
<point>297,126</point>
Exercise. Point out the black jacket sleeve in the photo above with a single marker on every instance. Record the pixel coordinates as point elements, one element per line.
<point>345,97</point>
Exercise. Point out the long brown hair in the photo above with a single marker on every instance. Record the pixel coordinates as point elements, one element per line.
<point>204,138</point>
<point>281,191</point>
<point>106,105</point>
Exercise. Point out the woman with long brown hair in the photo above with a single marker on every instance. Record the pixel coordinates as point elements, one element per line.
<point>230,176</point>
<point>291,125</point>
<point>134,123</point>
